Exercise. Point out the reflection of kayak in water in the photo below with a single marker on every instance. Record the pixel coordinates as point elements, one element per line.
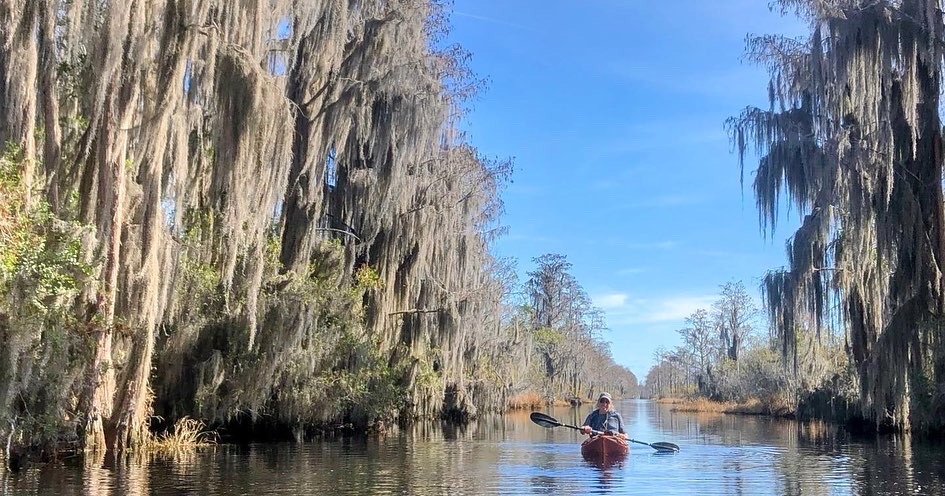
<point>605,447</point>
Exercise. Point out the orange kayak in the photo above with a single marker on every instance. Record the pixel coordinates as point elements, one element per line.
<point>602,447</point>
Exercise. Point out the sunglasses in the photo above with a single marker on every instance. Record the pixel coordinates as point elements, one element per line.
<point>605,400</point>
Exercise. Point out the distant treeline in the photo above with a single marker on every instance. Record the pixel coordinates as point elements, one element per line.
<point>730,354</point>
<point>570,359</point>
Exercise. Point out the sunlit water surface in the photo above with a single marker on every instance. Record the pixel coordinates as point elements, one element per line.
<point>721,454</point>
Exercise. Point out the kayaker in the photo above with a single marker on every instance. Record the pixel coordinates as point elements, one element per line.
<point>604,418</point>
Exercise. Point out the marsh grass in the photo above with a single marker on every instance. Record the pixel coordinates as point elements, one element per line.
<point>187,434</point>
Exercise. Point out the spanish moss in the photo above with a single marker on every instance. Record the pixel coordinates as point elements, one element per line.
<point>853,137</point>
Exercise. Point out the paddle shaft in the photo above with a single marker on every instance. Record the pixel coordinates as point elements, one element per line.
<point>661,446</point>
<point>593,432</point>
<point>548,421</point>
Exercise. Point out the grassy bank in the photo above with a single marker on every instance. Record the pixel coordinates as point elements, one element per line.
<point>754,406</point>
<point>530,400</point>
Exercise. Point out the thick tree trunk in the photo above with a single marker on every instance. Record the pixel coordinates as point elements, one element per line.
<point>117,118</point>
<point>134,404</point>
<point>926,183</point>
<point>302,198</point>
<point>18,75</point>
<point>52,143</point>
<point>100,389</point>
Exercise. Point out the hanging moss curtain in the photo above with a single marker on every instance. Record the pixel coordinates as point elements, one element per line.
<point>229,209</point>
<point>853,138</point>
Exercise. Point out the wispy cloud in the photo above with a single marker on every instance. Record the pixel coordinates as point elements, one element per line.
<point>657,135</point>
<point>526,238</point>
<point>629,271</point>
<point>733,82</point>
<point>675,200</point>
<point>730,15</point>
<point>652,245</point>
<point>624,310</point>
<point>528,190</point>
<point>492,20</point>
<point>604,185</point>
<point>666,201</point>
<point>676,308</point>
<point>611,300</point>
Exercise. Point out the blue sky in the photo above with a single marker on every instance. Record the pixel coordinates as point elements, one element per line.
<point>613,111</point>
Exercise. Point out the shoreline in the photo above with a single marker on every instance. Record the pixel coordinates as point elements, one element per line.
<point>534,401</point>
<point>754,406</point>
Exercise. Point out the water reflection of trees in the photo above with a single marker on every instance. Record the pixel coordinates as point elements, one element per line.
<point>815,457</point>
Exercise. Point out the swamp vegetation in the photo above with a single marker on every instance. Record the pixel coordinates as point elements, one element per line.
<point>260,214</point>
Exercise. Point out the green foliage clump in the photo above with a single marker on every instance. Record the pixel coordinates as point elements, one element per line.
<point>546,337</point>
<point>40,255</point>
<point>41,272</point>
<point>202,279</point>
<point>373,390</point>
<point>367,278</point>
<point>46,253</point>
<point>760,373</point>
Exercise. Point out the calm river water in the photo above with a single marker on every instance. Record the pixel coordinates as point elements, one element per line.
<point>721,454</point>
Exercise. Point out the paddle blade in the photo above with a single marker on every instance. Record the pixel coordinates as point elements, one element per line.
<point>665,447</point>
<point>544,420</point>
<point>662,447</point>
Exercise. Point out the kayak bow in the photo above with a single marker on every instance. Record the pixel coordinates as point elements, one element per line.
<point>604,447</point>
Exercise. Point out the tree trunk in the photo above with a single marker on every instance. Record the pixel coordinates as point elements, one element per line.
<point>18,74</point>
<point>52,143</point>
<point>131,415</point>
<point>100,387</point>
<point>111,157</point>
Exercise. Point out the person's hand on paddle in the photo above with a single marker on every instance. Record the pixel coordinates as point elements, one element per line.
<point>621,435</point>
<point>586,429</point>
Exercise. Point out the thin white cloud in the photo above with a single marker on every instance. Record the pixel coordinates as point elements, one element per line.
<point>653,245</point>
<point>677,308</point>
<point>668,134</point>
<point>527,190</point>
<point>667,201</point>
<point>629,271</point>
<point>637,311</point>
<point>732,82</point>
<point>731,15</point>
<point>611,300</point>
<point>492,20</point>
<point>527,238</point>
<point>674,200</point>
<point>604,185</point>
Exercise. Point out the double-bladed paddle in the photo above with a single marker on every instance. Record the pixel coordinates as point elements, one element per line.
<point>548,421</point>
<point>660,446</point>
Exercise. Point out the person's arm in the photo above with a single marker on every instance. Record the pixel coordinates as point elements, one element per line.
<point>586,428</point>
<point>620,426</point>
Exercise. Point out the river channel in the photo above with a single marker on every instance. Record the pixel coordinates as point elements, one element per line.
<point>720,454</point>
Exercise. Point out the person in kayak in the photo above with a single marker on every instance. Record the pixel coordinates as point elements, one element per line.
<point>604,418</point>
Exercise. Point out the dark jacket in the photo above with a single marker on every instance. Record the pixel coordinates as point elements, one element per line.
<point>610,421</point>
